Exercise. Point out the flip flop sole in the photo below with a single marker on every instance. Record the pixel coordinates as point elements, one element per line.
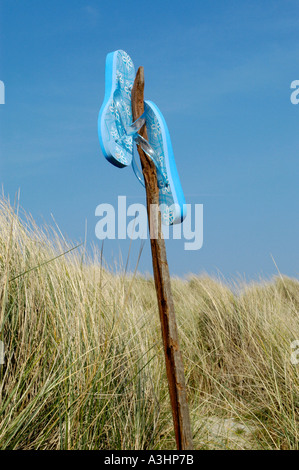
<point>119,74</point>
<point>171,195</point>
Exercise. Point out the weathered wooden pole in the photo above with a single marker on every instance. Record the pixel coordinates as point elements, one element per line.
<point>173,357</point>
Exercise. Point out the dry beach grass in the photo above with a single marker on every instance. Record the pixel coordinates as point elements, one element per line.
<point>84,364</point>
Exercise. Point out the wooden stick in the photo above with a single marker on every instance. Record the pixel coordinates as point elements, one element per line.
<point>173,358</point>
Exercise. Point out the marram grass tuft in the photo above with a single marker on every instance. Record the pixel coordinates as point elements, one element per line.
<point>84,366</point>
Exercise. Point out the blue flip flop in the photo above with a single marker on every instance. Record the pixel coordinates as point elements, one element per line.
<point>159,149</point>
<point>117,132</point>
<point>119,79</point>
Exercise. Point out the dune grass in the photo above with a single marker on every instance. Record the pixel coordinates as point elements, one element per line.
<point>84,365</point>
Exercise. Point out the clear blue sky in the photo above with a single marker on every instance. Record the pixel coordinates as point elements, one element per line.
<point>220,71</point>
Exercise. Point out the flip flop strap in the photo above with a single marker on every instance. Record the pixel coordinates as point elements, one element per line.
<point>126,131</point>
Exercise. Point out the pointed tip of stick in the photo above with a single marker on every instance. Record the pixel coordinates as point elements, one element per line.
<point>138,86</point>
<point>140,75</point>
<point>138,94</point>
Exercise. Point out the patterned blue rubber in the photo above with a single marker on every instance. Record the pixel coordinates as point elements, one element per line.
<point>171,195</point>
<point>119,74</point>
<point>117,133</point>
